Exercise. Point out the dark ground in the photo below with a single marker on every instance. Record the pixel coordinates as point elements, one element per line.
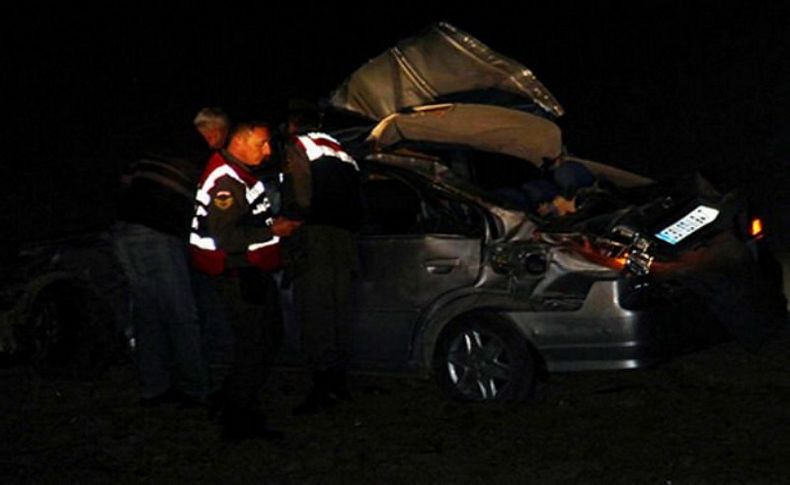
<point>719,416</point>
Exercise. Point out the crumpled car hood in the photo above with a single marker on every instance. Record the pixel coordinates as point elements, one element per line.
<point>490,128</point>
<point>421,69</point>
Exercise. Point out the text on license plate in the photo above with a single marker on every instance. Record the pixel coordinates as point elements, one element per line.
<point>688,224</point>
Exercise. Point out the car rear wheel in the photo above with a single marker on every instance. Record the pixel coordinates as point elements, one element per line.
<point>482,357</point>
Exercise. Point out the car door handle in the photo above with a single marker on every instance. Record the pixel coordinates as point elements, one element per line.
<point>441,266</point>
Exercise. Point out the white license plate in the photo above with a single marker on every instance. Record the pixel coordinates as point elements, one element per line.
<point>688,224</point>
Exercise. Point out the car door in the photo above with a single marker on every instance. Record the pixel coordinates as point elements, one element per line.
<point>415,246</point>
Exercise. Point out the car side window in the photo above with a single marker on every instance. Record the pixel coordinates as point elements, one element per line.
<point>390,206</point>
<point>393,206</point>
<point>448,215</point>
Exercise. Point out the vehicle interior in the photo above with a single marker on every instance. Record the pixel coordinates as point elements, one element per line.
<point>399,204</point>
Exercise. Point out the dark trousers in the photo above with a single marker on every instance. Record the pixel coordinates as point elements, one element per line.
<point>325,259</point>
<point>216,331</point>
<point>251,302</point>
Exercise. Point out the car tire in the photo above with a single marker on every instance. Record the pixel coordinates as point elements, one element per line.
<point>483,357</point>
<point>69,332</point>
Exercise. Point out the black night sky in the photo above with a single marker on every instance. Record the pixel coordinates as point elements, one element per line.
<point>660,88</point>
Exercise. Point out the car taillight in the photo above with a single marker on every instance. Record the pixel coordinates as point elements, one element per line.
<point>756,228</point>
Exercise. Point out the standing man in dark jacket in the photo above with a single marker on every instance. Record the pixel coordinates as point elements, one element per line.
<point>235,240</point>
<point>323,183</point>
<point>154,210</point>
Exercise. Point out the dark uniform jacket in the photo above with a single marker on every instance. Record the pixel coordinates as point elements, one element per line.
<point>158,191</point>
<point>322,183</point>
<point>230,228</point>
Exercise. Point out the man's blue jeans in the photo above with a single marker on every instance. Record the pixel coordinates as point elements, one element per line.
<point>167,330</point>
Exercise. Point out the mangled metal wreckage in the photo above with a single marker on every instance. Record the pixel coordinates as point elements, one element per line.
<point>461,281</point>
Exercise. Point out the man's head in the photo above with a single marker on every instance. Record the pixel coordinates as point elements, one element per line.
<point>249,142</point>
<point>571,176</point>
<point>540,193</point>
<point>547,199</point>
<point>214,125</point>
<point>302,115</point>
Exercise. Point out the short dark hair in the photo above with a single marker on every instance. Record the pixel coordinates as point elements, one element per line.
<point>303,113</point>
<point>247,126</point>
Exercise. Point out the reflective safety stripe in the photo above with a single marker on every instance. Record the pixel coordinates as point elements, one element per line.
<point>203,197</point>
<point>202,242</point>
<point>273,240</point>
<point>255,191</point>
<point>317,145</point>
<point>206,254</point>
<point>203,194</point>
<point>218,172</point>
<point>262,206</point>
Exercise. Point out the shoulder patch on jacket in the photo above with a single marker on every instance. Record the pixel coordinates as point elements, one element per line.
<point>223,200</point>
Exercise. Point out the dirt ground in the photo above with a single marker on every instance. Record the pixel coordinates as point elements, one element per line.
<point>718,416</point>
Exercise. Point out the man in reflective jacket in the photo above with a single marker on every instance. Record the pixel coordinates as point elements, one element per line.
<point>322,188</point>
<point>235,239</point>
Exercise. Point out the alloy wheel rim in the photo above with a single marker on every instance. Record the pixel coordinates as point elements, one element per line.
<point>479,365</point>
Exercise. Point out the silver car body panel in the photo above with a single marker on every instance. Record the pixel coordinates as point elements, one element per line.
<point>401,275</point>
<point>569,312</point>
<point>598,335</point>
<point>572,327</point>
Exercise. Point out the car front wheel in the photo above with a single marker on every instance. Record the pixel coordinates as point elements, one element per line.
<point>482,357</point>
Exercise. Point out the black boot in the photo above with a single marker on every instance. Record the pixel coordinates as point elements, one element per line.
<point>319,397</point>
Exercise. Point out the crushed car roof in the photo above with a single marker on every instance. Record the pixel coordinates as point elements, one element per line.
<point>420,70</point>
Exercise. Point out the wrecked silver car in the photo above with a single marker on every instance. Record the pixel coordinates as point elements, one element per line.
<point>460,281</point>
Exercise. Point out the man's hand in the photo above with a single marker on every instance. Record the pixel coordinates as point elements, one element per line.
<point>284,227</point>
